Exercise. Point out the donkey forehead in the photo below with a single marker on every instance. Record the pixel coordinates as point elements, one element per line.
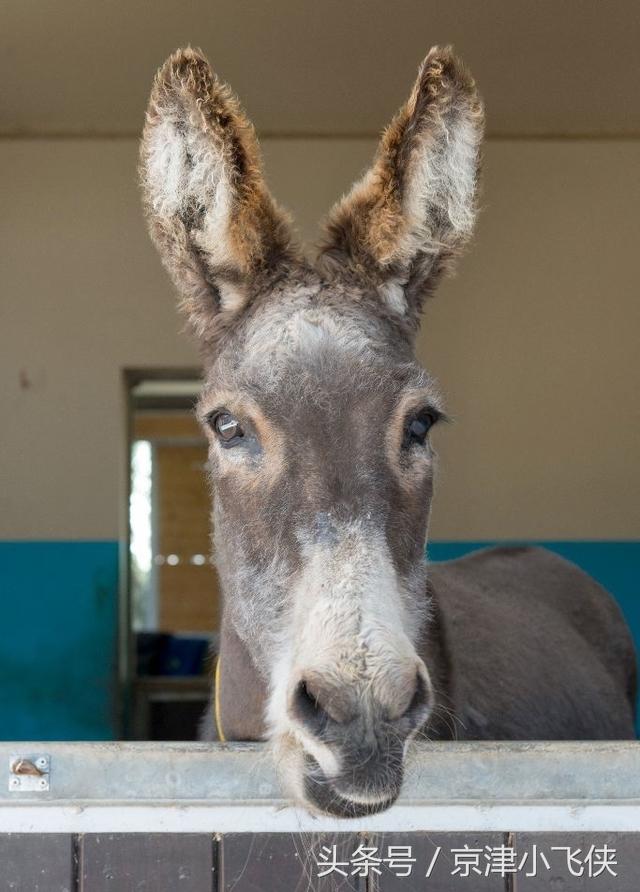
<point>317,317</point>
<point>309,346</point>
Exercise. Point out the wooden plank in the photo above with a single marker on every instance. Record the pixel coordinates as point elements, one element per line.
<point>32,862</point>
<point>579,861</point>
<point>442,862</point>
<point>287,862</point>
<point>147,862</point>
<point>148,425</point>
<point>189,595</point>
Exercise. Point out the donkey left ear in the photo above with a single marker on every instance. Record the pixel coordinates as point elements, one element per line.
<point>402,224</point>
<point>220,234</point>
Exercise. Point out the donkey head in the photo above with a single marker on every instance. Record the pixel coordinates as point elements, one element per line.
<point>316,411</point>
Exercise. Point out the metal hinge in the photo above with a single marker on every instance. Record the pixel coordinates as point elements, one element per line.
<point>29,773</point>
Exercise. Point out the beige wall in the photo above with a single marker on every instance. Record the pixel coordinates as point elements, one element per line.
<point>535,342</point>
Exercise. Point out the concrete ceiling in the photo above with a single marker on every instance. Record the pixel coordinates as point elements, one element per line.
<point>549,67</point>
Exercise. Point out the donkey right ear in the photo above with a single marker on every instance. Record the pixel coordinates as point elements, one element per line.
<point>402,224</point>
<point>219,233</point>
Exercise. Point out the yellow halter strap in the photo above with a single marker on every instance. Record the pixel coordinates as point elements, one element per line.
<point>217,709</point>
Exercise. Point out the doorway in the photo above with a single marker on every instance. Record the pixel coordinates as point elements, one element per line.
<point>173,598</point>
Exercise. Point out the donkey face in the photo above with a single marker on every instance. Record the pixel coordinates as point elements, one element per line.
<point>317,414</point>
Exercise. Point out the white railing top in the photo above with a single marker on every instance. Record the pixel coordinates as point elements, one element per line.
<point>192,787</point>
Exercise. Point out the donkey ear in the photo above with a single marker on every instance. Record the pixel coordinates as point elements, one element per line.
<point>401,225</point>
<point>218,231</point>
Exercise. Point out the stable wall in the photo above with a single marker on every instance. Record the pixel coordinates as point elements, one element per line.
<point>535,343</point>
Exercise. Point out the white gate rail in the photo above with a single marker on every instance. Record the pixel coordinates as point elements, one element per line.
<point>224,788</point>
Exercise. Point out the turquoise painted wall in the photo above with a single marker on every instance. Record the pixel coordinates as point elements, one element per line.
<point>59,625</point>
<point>58,640</point>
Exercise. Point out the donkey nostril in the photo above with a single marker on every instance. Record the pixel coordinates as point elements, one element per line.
<point>307,708</point>
<point>420,703</point>
<point>419,694</point>
<point>309,695</point>
<point>318,705</point>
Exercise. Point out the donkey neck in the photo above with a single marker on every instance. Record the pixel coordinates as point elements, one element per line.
<point>435,651</point>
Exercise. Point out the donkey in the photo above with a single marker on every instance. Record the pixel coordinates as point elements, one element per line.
<point>339,642</point>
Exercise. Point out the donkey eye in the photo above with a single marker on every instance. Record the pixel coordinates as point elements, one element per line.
<point>418,428</point>
<point>227,428</point>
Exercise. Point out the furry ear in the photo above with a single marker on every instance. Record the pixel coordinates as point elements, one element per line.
<point>402,224</point>
<point>219,232</point>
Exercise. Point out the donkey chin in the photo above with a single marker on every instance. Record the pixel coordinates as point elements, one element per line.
<point>340,748</point>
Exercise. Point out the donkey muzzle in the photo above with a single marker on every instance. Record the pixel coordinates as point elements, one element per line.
<point>365,736</point>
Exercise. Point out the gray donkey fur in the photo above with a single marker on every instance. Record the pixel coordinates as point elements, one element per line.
<point>339,643</point>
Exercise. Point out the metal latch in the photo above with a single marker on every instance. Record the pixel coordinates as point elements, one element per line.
<point>29,773</point>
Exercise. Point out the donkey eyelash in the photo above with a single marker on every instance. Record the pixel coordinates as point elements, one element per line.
<point>437,415</point>
<point>211,416</point>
